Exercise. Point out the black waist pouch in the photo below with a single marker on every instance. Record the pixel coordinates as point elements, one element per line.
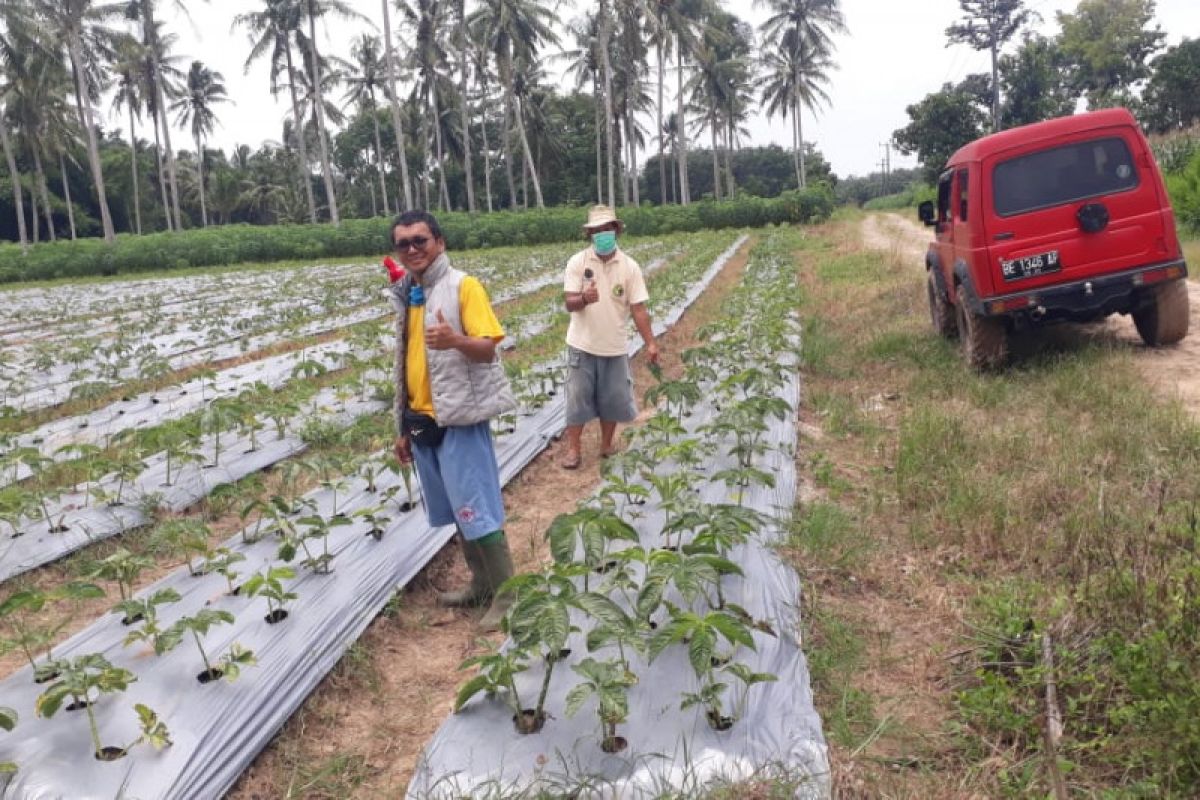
<point>423,429</point>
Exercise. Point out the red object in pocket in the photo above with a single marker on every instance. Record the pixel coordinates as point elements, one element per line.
<point>395,271</point>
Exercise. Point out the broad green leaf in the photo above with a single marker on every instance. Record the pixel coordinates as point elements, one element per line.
<point>577,697</point>
<point>701,649</point>
<point>8,718</point>
<point>469,689</point>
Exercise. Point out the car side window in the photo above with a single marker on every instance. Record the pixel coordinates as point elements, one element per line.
<point>943,205</point>
<point>962,194</point>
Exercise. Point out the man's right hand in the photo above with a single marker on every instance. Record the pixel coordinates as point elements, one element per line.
<point>591,294</point>
<point>403,450</point>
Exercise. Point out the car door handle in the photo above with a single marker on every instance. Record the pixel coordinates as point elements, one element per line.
<point>999,237</point>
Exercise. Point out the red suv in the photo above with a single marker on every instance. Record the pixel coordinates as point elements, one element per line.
<point>1064,220</point>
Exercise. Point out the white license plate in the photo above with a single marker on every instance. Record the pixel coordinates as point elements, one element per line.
<point>1029,266</point>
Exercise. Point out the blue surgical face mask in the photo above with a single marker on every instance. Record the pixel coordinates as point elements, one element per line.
<point>604,242</point>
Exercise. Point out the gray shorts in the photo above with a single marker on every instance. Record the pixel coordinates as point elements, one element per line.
<point>598,386</point>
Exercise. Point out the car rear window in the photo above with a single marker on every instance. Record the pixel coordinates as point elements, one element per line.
<point>1062,175</point>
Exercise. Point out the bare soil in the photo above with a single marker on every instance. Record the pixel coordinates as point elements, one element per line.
<point>359,735</point>
<point>1173,370</point>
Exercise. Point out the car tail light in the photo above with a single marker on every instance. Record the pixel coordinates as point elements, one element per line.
<point>1012,304</point>
<point>1157,275</point>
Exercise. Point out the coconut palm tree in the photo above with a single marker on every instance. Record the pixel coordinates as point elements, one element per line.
<point>205,88</point>
<point>462,46</point>
<point>152,34</point>
<point>15,41</point>
<point>130,94</point>
<point>583,63</point>
<point>71,22</point>
<point>680,24</point>
<point>397,122</point>
<point>162,77</point>
<point>271,31</point>
<point>783,96</point>
<point>362,82</point>
<point>516,29</point>
<point>804,29</point>
<point>479,56</point>
<point>427,58</point>
<point>314,9</point>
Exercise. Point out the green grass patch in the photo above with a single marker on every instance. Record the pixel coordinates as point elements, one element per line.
<point>1070,491</point>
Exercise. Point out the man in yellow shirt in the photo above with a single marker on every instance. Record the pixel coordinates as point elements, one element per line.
<point>603,287</point>
<point>449,384</point>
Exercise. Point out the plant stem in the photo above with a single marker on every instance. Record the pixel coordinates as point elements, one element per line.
<point>203,655</point>
<point>87,706</point>
<point>541,701</point>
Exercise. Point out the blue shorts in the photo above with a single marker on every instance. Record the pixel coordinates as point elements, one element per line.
<point>598,386</point>
<point>460,481</point>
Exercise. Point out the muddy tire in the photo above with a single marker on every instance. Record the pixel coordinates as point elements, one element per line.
<point>941,313</point>
<point>1165,319</point>
<point>984,339</point>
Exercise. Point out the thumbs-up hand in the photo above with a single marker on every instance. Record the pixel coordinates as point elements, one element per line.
<point>590,293</point>
<point>440,336</point>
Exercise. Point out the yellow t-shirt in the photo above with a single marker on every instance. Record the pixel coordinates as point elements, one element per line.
<point>478,319</point>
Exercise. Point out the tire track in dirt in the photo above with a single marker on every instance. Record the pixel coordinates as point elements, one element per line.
<point>1174,371</point>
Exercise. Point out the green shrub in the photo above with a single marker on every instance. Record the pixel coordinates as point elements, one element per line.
<point>238,244</point>
<point>909,198</point>
<point>1184,188</point>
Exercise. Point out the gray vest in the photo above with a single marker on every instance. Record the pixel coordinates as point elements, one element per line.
<point>464,392</point>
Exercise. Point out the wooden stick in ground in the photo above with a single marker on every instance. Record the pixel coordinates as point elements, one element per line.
<point>1053,728</point>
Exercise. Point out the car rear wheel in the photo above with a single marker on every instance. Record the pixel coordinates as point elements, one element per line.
<point>984,339</point>
<point>941,314</point>
<point>1165,319</point>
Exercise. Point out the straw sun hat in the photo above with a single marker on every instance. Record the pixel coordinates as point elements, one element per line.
<point>599,216</point>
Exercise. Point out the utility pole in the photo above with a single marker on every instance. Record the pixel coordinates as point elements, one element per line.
<point>886,163</point>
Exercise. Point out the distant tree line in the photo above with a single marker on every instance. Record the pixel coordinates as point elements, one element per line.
<point>1105,54</point>
<point>443,104</point>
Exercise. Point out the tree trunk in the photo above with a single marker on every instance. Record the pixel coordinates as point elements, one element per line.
<point>599,141</point>
<point>443,190</point>
<point>731,184</point>
<point>200,180</point>
<point>326,169</point>
<point>301,144</point>
<point>85,111</point>
<point>995,87</point>
<point>162,176</point>
<point>374,205</point>
<point>397,122</point>
<point>66,184</point>
<point>36,233</point>
<point>15,178</point>
<point>508,160</point>
<point>133,167</point>
<point>685,195</point>
<point>662,155</point>
<point>796,141</point>
<point>41,179</point>
<point>606,66</point>
<point>524,185</point>
<point>633,165</point>
<point>537,186</point>
<point>468,167</point>
<point>800,139</point>
<point>712,129</point>
<point>487,158</point>
<point>379,161</point>
<point>151,38</point>
<point>425,136</point>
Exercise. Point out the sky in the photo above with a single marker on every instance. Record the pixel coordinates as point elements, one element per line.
<point>893,55</point>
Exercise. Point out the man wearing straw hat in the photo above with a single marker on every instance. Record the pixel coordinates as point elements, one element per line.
<point>603,289</point>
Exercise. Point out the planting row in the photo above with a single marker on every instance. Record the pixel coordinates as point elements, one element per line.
<point>124,492</point>
<point>664,612</point>
<point>345,548</point>
<point>93,356</point>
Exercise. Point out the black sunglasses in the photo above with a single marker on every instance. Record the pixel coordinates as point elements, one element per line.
<point>418,242</point>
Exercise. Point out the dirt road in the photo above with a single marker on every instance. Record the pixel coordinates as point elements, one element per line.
<point>1174,370</point>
